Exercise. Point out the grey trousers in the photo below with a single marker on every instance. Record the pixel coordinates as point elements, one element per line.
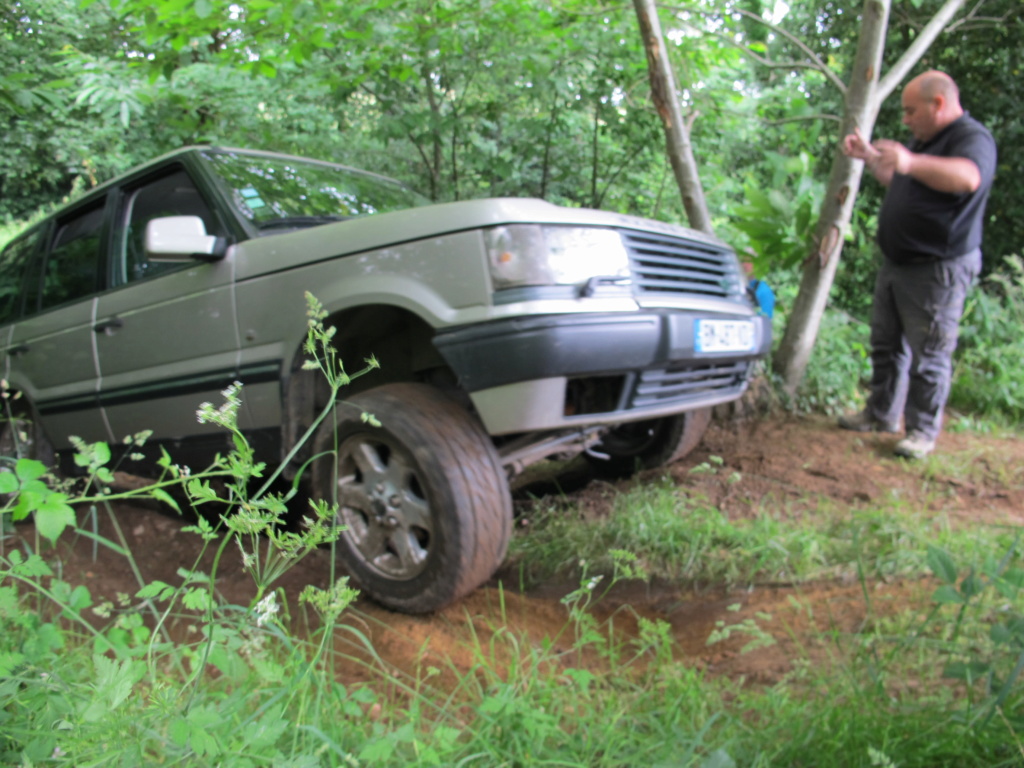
<point>915,323</point>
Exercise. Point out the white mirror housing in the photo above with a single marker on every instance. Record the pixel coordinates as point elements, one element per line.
<point>181,238</point>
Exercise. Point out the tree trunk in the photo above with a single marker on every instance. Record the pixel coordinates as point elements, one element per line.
<point>861,109</point>
<point>864,96</point>
<point>664,94</point>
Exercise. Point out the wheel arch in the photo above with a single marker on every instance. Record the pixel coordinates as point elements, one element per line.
<point>397,338</point>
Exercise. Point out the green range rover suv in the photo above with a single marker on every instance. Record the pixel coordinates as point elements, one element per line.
<point>508,331</point>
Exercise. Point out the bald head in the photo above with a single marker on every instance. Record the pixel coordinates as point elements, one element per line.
<point>935,83</point>
<point>931,101</point>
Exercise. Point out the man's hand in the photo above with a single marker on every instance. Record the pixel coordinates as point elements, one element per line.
<point>878,162</point>
<point>892,154</point>
<point>856,147</point>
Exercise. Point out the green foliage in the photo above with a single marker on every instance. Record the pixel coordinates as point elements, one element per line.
<point>839,368</point>
<point>780,213</point>
<point>988,378</point>
<point>428,92</point>
<point>984,643</point>
<point>759,638</point>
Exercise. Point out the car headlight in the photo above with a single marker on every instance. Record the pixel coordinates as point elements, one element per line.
<point>532,254</point>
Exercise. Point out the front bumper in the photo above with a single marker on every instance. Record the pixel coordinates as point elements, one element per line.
<point>558,371</point>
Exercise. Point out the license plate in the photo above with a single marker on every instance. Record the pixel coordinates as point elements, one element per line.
<point>724,336</point>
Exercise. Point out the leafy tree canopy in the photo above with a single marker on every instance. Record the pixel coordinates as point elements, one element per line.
<point>463,99</point>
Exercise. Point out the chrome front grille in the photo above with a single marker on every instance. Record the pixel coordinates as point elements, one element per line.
<point>684,381</point>
<point>666,264</point>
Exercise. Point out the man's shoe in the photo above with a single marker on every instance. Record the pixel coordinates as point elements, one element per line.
<point>862,421</point>
<point>916,445</point>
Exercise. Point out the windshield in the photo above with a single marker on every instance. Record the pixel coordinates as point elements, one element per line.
<point>276,193</point>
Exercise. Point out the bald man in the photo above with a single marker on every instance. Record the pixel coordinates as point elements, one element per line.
<point>929,231</point>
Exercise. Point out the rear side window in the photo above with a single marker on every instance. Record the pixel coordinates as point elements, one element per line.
<point>73,265</point>
<point>171,195</point>
<point>12,272</point>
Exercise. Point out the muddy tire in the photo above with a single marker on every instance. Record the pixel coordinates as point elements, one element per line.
<point>649,444</point>
<point>423,497</point>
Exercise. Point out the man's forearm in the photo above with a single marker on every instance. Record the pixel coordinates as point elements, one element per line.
<point>956,175</point>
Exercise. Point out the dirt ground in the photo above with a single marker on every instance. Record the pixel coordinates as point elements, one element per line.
<point>801,461</point>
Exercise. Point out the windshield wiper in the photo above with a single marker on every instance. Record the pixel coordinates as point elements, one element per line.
<point>297,222</point>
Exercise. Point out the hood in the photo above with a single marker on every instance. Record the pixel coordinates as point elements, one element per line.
<point>284,250</point>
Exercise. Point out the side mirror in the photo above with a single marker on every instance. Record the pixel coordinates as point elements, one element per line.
<point>182,238</point>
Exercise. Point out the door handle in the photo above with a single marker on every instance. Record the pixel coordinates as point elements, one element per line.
<point>19,349</point>
<point>109,325</point>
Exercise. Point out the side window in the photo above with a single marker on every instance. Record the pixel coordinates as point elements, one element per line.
<point>171,195</point>
<point>72,267</point>
<point>12,271</point>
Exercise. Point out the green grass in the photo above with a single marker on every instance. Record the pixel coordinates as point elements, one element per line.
<point>271,698</point>
<point>83,684</point>
<point>680,537</point>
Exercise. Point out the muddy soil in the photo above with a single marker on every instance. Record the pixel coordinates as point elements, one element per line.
<point>801,462</point>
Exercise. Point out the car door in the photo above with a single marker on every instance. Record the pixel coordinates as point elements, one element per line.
<point>167,339</point>
<point>14,259</point>
<point>51,349</point>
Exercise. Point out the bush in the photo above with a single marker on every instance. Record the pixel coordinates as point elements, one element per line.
<point>988,378</point>
<point>840,363</point>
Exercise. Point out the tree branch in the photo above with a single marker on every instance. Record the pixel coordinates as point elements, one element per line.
<point>918,48</point>
<point>815,62</point>
<point>769,64</point>
<point>801,118</point>
<point>973,21</point>
<point>801,46</point>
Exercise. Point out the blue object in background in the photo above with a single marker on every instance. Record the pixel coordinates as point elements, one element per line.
<point>764,296</point>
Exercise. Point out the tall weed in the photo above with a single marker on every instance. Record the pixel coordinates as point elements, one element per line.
<point>138,697</point>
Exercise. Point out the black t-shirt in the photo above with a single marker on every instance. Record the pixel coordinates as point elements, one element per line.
<point>918,223</point>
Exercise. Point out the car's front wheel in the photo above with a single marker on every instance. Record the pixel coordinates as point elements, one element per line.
<point>648,444</point>
<point>423,499</point>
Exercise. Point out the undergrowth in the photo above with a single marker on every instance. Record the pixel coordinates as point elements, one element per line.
<point>173,674</point>
<point>989,373</point>
<point>987,389</point>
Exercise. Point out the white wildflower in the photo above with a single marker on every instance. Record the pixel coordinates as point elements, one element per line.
<point>248,558</point>
<point>266,609</point>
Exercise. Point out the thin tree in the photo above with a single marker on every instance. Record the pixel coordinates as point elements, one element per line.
<point>665,95</point>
